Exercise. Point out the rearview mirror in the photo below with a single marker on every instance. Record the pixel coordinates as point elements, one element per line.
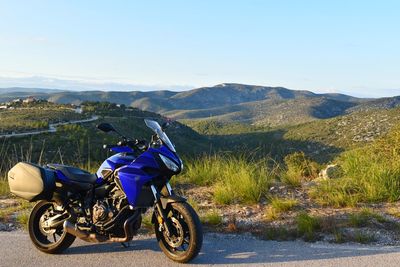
<point>105,127</point>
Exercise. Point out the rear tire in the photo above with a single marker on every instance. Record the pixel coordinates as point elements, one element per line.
<point>189,233</point>
<point>46,240</point>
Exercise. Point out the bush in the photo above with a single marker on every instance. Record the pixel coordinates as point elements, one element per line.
<point>370,174</point>
<point>298,168</point>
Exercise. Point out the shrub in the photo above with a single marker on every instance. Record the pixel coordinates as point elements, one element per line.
<point>298,168</point>
<point>370,174</point>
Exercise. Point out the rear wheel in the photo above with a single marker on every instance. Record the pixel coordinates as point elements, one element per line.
<point>47,240</point>
<point>186,239</point>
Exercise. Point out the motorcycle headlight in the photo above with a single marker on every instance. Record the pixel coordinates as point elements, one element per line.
<point>169,163</point>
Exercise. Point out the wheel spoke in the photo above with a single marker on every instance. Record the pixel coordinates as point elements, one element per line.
<point>54,236</point>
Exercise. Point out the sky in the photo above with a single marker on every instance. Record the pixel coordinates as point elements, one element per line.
<point>350,47</point>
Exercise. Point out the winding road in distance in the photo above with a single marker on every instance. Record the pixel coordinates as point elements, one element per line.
<point>52,128</point>
<point>218,250</point>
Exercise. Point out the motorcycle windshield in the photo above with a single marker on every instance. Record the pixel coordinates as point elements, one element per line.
<point>161,134</point>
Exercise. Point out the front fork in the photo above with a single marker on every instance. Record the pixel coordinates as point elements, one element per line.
<point>161,217</point>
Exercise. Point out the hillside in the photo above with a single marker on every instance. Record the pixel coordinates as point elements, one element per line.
<point>82,144</point>
<point>322,139</point>
<point>228,102</point>
<point>270,112</point>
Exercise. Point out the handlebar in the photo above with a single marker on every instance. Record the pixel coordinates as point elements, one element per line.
<point>134,144</point>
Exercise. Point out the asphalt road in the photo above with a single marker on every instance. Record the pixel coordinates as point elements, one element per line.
<point>52,128</point>
<point>219,250</point>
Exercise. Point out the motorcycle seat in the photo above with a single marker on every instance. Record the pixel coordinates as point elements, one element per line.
<point>74,174</point>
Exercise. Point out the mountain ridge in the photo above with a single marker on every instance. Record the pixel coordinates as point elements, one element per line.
<point>226,102</point>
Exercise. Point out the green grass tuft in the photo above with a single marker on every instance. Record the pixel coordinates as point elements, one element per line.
<point>364,238</point>
<point>365,217</point>
<point>4,188</point>
<point>299,168</point>
<point>212,217</point>
<point>278,206</point>
<point>308,226</point>
<point>22,218</point>
<point>234,179</point>
<point>146,220</point>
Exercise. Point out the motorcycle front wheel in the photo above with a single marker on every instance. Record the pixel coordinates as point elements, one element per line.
<point>186,239</point>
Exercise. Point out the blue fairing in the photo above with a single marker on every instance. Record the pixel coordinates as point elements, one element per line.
<point>136,174</point>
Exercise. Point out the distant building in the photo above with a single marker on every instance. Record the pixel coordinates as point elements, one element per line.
<point>18,100</point>
<point>79,110</point>
<point>3,107</point>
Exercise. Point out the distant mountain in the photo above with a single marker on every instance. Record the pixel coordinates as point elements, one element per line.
<point>380,103</point>
<point>224,102</point>
<point>16,90</point>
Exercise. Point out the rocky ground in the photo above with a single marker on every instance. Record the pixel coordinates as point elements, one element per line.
<point>8,218</point>
<point>373,223</point>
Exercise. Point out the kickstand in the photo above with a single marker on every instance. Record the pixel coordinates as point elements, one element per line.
<point>125,244</point>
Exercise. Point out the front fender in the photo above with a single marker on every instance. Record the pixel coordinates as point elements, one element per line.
<point>165,200</point>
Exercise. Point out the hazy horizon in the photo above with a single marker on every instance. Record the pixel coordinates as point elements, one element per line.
<point>80,85</point>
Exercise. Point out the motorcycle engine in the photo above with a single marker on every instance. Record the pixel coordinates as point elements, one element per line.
<point>105,209</point>
<point>102,212</point>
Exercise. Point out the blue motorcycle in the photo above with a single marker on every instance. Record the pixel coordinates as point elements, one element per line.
<point>108,206</point>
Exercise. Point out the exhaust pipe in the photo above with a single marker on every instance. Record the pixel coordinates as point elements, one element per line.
<point>89,237</point>
<point>95,238</point>
<point>127,229</point>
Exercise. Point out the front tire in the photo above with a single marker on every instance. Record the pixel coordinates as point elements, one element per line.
<point>50,241</point>
<point>186,241</point>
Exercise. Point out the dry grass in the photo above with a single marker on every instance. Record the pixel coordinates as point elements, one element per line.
<point>278,206</point>
<point>233,179</point>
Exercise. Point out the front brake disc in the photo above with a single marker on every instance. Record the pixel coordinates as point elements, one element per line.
<point>175,240</point>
